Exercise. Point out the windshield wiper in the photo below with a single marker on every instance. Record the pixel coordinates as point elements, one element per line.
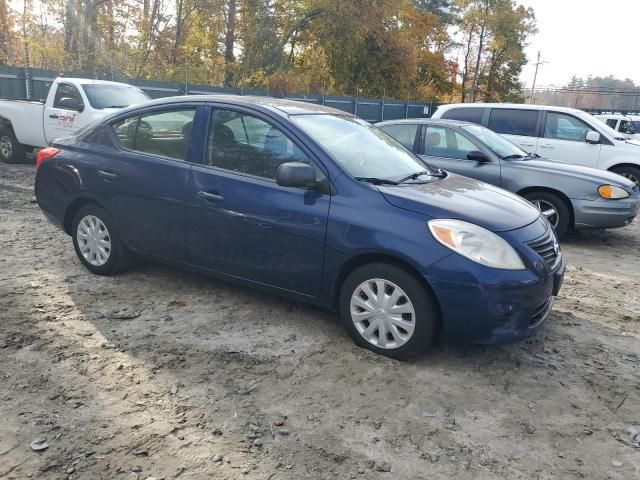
<point>512,157</point>
<point>414,176</point>
<point>116,106</point>
<point>377,181</point>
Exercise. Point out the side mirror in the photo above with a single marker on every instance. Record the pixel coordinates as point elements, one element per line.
<point>592,137</point>
<point>296,174</point>
<point>71,104</point>
<point>478,156</point>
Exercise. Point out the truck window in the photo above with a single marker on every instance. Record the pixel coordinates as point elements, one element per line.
<point>626,127</point>
<point>465,114</point>
<point>612,122</point>
<point>513,121</point>
<point>66,90</point>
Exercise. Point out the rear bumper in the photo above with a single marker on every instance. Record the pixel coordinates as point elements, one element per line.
<point>605,213</point>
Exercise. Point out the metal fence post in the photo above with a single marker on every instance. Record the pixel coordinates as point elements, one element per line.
<point>406,109</point>
<point>382,109</point>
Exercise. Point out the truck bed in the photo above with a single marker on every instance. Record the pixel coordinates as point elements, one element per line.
<point>22,100</point>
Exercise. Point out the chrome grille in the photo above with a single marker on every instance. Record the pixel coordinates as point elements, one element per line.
<point>547,247</point>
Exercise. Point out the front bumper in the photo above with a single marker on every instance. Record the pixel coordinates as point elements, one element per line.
<point>601,213</point>
<point>491,306</point>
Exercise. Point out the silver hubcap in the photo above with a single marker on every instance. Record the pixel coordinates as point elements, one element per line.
<point>548,211</point>
<point>5,146</point>
<point>383,313</point>
<point>94,240</point>
<point>631,177</point>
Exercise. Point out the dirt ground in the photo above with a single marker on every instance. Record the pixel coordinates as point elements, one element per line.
<point>165,374</point>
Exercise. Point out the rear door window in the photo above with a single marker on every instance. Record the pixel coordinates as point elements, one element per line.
<point>514,121</point>
<point>164,134</point>
<point>403,133</point>
<point>612,123</point>
<point>465,114</point>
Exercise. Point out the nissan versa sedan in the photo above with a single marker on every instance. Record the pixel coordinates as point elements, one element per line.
<point>311,203</point>
<point>570,196</point>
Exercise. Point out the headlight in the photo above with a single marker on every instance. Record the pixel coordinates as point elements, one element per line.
<point>476,243</point>
<point>612,192</point>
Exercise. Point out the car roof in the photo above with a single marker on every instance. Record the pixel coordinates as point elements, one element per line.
<point>516,106</point>
<point>276,105</point>
<point>435,121</point>
<point>90,81</point>
<point>615,116</point>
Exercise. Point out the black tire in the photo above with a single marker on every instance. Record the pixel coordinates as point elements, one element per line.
<point>425,320</point>
<point>118,257</point>
<point>630,173</point>
<point>564,216</point>
<point>11,151</point>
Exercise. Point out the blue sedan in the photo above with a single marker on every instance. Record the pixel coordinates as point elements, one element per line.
<point>311,203</point>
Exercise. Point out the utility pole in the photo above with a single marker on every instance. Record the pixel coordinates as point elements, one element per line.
<point>535,76</point>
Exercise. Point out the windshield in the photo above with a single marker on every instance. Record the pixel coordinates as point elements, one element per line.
<point>360,148</point>
<point>636,125</point>
<point>102,95</point>
<point>496,143</point>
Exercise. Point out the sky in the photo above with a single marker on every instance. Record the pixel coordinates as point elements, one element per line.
<point>583,37</point>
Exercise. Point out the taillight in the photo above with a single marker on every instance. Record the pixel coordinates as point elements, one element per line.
<point>45,154</point>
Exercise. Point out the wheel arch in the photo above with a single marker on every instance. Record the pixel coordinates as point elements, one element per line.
<point>622,165</point>
<point>74,207</point>
<point>558,193</point>
<point>377,257</point>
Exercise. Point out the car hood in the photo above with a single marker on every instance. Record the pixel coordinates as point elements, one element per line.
<point>567,169</point>
<point>465,199</point>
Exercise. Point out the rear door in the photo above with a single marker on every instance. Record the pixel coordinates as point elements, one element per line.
<point>564,139</point>
<point>518,125</point>
<point>59,119</point>
<point>240,221</point>
<point>447,148</point>
<point>143,181</point>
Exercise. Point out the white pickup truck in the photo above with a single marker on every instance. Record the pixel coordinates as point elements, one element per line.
<point>71,104</point>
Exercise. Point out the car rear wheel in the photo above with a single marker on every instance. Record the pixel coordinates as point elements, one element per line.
<point>11,151</point>
<point>387,310</point>
<point>97,242</point>
<point>553,208</point>
<point>631,173</point>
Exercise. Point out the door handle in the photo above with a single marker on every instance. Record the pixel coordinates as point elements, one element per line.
<point>107,175</point>
<point>53,115</point>
<point>210,197</point>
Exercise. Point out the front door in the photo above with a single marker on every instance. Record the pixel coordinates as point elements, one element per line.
<point>447,148</point>
<point>143,181</point>
<point>67,113</point>
<point>240,221</point>
<point>564,139</point>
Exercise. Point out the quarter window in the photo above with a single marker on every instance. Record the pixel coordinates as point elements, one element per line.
<point>466,114</point>
<point>514,122</point>
<point>612,123</point>
<point>243,143</point>
<point>560,126</point>
<point>165,134</point>
<point>447,143</point>
<point>403,133</point>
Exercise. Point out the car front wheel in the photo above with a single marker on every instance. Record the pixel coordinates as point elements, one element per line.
<point>553,208</point>
<point>97,242</point>
<point>387,310</point>
<point>631,173</point>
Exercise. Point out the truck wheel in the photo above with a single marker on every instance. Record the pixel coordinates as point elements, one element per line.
<point>11,151</point>
<point>553,208</point>
<point>630,173</point>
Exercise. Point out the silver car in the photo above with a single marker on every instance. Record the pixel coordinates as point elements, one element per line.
<point>570,196</point>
